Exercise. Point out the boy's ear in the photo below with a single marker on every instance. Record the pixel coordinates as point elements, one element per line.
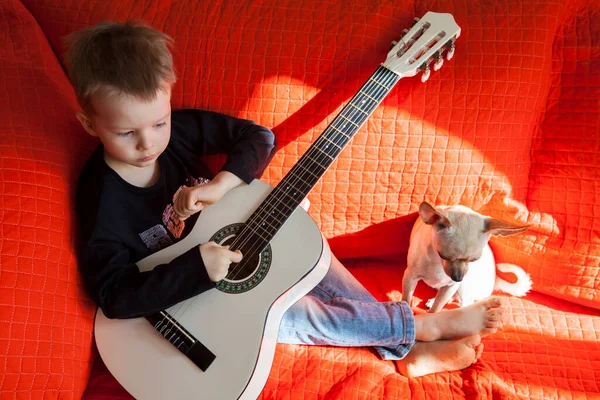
<point>85,122</point>
<point>496,227</point>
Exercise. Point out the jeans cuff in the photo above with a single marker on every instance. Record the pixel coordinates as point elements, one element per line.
<point>406,341</point>
<point>409,323</point>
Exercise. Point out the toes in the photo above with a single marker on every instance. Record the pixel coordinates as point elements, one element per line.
<point>473,341</point>
<point>495,318</point>
<point>493,324</point>
<point>478,352</point>
<point>495,315</point>
<point>493,302</point>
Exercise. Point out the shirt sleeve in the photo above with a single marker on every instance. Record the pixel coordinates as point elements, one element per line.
<point>118,287</point>
<point>249,146</point>
<point>107,263</point>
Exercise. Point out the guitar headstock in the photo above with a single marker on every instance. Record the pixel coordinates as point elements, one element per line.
<point>424,44</point>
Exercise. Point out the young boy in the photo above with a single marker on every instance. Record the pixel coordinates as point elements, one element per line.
<point>142,188</point>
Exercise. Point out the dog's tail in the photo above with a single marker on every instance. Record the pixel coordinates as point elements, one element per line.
<point>520,287</point>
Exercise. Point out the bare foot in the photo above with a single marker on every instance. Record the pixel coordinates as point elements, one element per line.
<point>481,318</point>
<point>440,356</point>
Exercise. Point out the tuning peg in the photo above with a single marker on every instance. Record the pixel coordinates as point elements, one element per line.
<point>439,61</point>
<point>426,72</point>
<point>393,44</point>
<point>415,21</point>
<point>450,53</point>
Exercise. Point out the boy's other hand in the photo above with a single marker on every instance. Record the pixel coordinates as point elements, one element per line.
<point>193,199</point>
<point>190,200</point>
<point>217,259</point>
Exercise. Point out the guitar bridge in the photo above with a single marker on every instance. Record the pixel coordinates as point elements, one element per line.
<point>168,327</point>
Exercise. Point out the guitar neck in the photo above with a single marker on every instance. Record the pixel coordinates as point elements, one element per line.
<point>264,223</point>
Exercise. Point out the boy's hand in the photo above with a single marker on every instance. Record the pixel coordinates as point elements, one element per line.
<point>217,259</point>
<point>190,200</point>
<point>193,199</point>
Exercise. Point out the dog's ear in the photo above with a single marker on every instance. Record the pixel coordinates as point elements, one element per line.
<point>431,216</point>
<point>496,227</point>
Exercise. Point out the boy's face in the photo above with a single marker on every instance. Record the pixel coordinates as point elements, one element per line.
<point>134,132</point>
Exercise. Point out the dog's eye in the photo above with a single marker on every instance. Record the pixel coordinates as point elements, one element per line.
<point>444,257</point>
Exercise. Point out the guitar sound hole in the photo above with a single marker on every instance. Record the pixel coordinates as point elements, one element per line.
<point>253,268</point>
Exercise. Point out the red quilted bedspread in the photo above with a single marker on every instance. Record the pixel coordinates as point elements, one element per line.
<point>509,127</point>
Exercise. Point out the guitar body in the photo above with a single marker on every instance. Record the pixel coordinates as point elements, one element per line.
<point>239,329</point>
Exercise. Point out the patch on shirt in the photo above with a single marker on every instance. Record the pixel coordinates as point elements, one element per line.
<point>173,224</point>
<point>196,182</point>
<point>156,238</point>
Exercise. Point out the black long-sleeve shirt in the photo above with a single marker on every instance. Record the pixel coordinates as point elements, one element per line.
<point>121,224</point>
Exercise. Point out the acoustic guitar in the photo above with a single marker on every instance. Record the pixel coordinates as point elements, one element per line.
<point>220,344</point>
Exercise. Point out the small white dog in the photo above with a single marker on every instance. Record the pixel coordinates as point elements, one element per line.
<point>449,251</point>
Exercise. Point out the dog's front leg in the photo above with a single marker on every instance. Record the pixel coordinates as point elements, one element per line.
<point>409,283</point>
<point>443,297</point>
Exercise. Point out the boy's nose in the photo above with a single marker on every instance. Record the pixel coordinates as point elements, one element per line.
<point>145,142</point>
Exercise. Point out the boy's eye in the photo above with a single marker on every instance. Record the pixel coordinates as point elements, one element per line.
<point>125,133</point>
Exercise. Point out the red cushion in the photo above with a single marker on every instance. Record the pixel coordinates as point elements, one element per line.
<point>508,127</point>
<point>45,315</point>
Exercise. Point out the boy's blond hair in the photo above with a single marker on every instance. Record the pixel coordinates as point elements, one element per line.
<point>119,58</point>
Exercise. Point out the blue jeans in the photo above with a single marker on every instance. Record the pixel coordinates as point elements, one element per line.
<point>339,311</point>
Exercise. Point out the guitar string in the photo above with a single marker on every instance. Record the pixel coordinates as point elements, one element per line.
<point>371,87</point>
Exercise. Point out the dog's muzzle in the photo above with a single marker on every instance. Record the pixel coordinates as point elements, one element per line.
<point>456,270</point>
<point>457,276</point>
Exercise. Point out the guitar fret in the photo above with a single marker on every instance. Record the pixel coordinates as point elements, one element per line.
<point>366,95</point>
<point>252,222</point>
<point>333,127</point>
<point>259,235</point>
<point>281,202</point>
<point>315,161</point>
<point>332,158</point>
<point>349,120</point>
<point>299,177</point>
<point>307,170</point>
<point>332,142</point>
<point>272,226</point>
<point>379,83</point>
<point>290,197</point>
<point>260,226</point>
<point>272,216</point>
<point>359,109</point>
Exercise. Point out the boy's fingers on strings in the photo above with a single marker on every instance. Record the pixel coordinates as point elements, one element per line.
<point>236,256</point>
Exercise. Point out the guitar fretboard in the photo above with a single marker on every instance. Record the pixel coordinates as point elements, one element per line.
<point>268,218</point>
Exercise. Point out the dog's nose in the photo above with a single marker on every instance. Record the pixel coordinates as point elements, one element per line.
<point>457,276</point>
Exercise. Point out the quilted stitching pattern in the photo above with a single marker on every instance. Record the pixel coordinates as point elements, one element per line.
<point>565,259</point>
<point>45,317</point>
<point>508,127</point>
